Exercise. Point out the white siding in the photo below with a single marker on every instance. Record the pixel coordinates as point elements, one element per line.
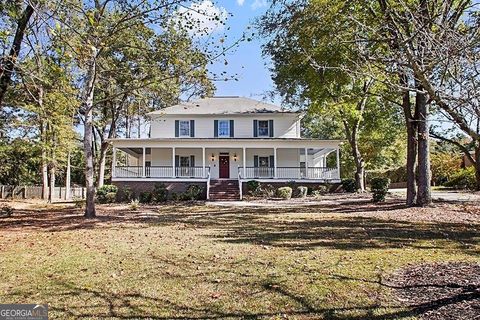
<point>285,125</point>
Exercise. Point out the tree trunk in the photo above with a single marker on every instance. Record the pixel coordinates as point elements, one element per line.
<point>477,166</point>
<point>44,162</point>
<point>68,184</point>
<point>424,197</point>
<point>51,193</point>
<point>88,137</point>
<point>411,125</point>
<point>8,63</point>
<point>359,165</point>
<point>102,163</point>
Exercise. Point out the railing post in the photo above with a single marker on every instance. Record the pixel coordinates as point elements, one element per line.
<point>306,163</point>
<point>244,160</point>
<point>203,163</point>
<point>173,162</point>
<point>114,162</point>
<point>338,163</point>
<point>275,162</point>
<point>143,162</point>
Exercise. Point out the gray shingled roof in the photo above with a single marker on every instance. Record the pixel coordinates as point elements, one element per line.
<point>222,105</point>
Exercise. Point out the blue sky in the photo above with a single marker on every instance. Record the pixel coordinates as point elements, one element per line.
<point>246,60</point>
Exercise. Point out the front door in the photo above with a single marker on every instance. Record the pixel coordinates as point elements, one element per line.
<point>224,167</point>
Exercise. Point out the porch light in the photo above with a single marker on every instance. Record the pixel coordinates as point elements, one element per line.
<point>235,157</point>
<point>212,157</point>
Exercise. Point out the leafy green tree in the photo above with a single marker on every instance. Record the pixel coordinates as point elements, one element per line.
<point>323,73</point>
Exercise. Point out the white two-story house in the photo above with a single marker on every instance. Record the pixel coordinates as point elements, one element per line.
<point>230,139</point>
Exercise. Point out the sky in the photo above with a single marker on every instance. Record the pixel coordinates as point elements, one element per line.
<point>246,61</point>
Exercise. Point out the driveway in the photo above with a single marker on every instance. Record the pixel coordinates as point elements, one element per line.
<point>446,195</point>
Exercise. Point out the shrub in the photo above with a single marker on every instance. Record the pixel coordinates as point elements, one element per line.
<point>134,205</point>
<point>175,196</point>
<point>463,179</point>
<point>267,191</point>
<point>193,192</point>
<point>104,193</point>
<point>110,197</point>
<point>379,188</point>
<point>145,197</point>
<point>349,185</point>
<point>6,210</point>
<point>301,192</point>
<point>79,202</point>
<point>253,186</point>
<point>284,192</point>
<point>126,194</point>
<point>160,193</point>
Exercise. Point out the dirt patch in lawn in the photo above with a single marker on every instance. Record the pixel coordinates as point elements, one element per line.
<point>439,291</point>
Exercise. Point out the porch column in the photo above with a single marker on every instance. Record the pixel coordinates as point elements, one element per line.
<point>173,162</point>
<point>114,161</point>
<point>338,162</point>
<point>275,162</point>
<point>143,163</point>
<point>306,163</point>
<point>203,161</point>
<point>244,158</point>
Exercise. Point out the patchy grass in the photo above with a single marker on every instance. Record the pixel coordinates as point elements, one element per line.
<point>325,260</point>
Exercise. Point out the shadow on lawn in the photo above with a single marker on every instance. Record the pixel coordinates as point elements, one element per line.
<point>139,306</point>
<point>267,226</point>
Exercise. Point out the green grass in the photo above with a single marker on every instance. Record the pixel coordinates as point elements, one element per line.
<point>204,262</point>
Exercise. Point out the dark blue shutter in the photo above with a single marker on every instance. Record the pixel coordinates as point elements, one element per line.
<point>192,161</point>
<point>270,127</point>
<point>272,161</point>
<point>231,129</point>
<point>177,161</point>
<point>255,128</point>
<point>192,128</point>
<point>255,161</point>
<point>177,125</point>
<point>215,128</point>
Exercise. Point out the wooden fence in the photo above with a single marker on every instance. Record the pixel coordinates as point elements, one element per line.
<point>35,192</point>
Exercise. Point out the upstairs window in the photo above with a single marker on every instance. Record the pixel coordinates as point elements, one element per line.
<point>263,130</point>
<point>184,128</point>
<point>224,128</point>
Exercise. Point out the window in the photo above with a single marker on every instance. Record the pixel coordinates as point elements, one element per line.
<point>224,128</point>
<point>184,128</point>
<point>263,162</point>
<point>263,128</point>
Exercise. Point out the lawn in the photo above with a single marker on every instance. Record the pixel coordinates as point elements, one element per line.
<point>330,259</point>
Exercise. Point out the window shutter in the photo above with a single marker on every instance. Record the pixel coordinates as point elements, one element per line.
<point>177,129</point>
<point>255,128</point>
<point>272,161</point>
<point>215,128</point>
<point>192,161</point>
<point>270,127</point>
<point>255,161</point>
<point>177,161</point>
<point>192,128</point>
<point>231,129</point>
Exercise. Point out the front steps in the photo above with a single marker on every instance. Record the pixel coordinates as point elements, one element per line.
<point>224,190</point>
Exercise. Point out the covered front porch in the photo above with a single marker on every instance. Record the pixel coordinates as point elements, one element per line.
<point>239,159</point>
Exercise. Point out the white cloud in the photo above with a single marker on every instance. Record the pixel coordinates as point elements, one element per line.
<point>201,18</point>
<point>240,2</point>
<point>257,4</point>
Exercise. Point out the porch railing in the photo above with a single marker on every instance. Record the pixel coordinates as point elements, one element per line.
<point>317,173</point>
<point>160,172</point>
